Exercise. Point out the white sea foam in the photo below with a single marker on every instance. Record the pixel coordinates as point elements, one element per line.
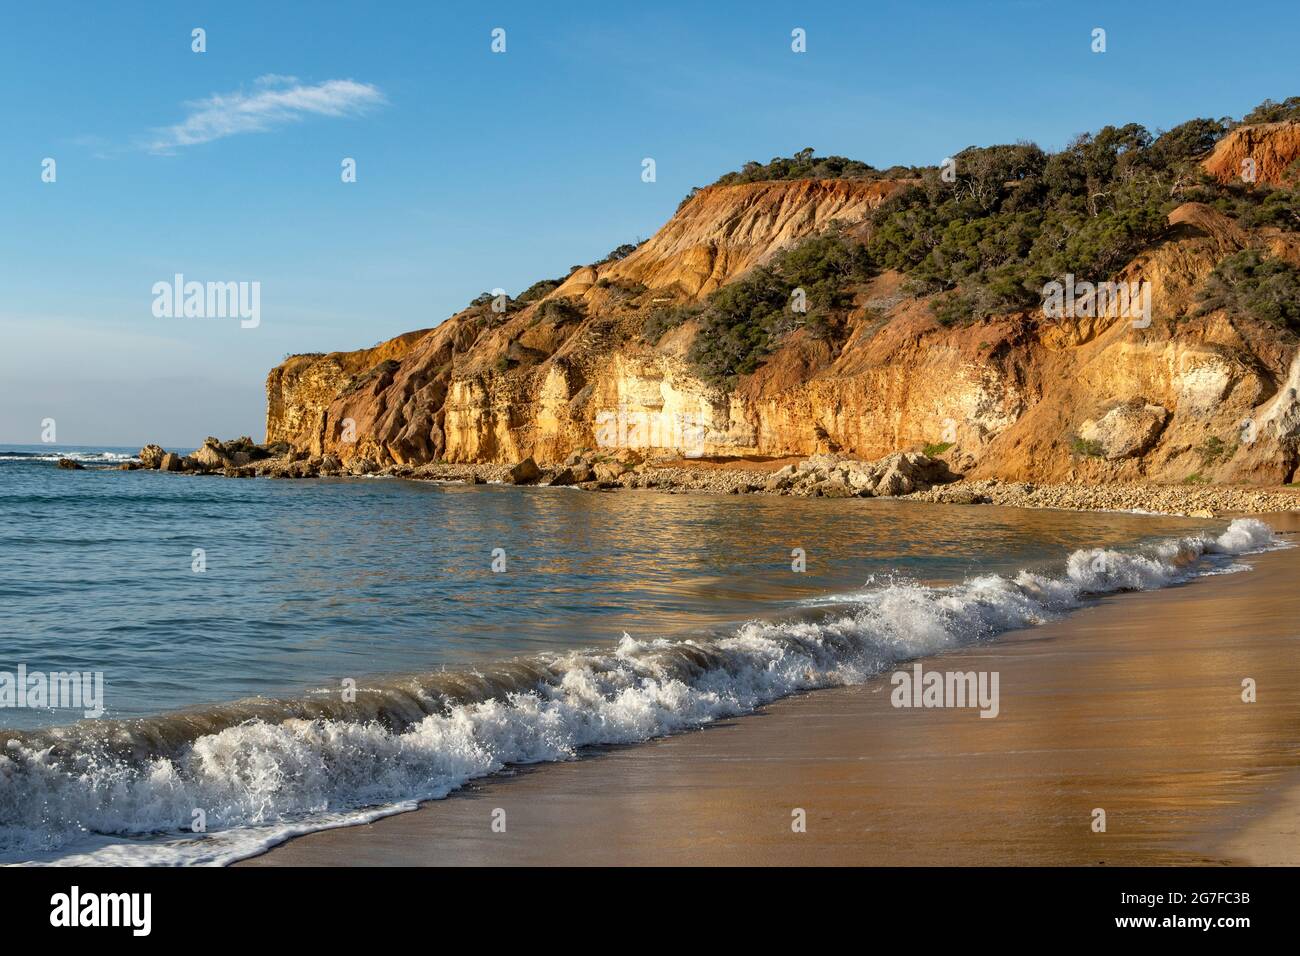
<point>88,457</point>
<point>126,794</point>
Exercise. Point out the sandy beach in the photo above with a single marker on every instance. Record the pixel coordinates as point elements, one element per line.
<point>1133,706</point>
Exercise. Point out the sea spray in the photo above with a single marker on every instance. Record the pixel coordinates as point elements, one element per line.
<point>262,770</point>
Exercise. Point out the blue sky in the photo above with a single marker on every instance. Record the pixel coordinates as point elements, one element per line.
<point>476,169</point>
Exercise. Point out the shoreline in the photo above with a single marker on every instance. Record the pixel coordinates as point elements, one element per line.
<point>908,476</point>
<point>1130,704</point>
<point>764,663</point>
<point>1270,837</point>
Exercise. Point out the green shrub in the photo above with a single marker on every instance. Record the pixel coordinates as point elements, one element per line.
<point>1014,217</point>
<point>953,309</point>
<point>386,367</point>
<point>663,318</point>
<point>802,165</point>
<point>1254,285</point>
<point>623,288</point>
<point>1088,447</point>
<point>746,319</point>
<point>538,290</point>
<point>1273,206</point>
<point>1213,449</point>
<point>1254,205</point>
<point>619,253</point>
<point>936,449</point>
<point>559,311</point>
<point>1271,112</point>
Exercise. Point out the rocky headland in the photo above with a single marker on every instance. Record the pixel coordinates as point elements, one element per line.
<point>815,327</point>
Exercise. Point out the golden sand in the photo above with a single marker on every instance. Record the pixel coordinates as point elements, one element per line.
<point>1133,706</point>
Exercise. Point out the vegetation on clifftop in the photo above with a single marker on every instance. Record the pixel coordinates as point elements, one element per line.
<point>805,165</point>
<point>1005,220</point>
<point>985,232</point>
<point>1257,285</point>
<point>806,286</point>
<point>981,235</point>
<point>1271,112</point>
<point>1002,221</point>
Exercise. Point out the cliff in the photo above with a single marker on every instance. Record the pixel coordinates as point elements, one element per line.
<point>722,231</point>
<point>1270,148</point>
<point>1205,396</point>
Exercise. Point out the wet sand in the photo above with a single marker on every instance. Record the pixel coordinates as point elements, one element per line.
<point>1132,706</point>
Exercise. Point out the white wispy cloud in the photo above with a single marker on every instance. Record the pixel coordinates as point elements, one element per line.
<point>276,101</point>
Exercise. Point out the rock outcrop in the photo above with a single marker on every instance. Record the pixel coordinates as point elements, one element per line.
<point>151,456</point>
<point>1262,153</point>
<point>1016,397</point>
<point>831,476</point>
<point>1126,431</point>
<point>722,231</point>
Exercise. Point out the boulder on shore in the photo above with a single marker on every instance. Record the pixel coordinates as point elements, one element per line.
<point>564,476</point>
<point>608,472</point>
<point>833,476</point>
<point>1126,431</point>
<point>524,473</point>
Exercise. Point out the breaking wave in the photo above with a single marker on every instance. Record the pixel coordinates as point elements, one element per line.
<point>85,457</point>
<point>263,770</point>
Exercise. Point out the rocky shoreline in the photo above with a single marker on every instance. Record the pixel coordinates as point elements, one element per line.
<point>1195,501</point>
<point>905,475</point>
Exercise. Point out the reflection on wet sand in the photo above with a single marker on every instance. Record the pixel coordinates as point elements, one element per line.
<point>1133,706</point>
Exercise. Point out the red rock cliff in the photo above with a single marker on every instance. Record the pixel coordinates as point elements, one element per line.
<point>1011,397</point>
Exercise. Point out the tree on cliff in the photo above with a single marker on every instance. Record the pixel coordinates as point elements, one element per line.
<point>746,319</point>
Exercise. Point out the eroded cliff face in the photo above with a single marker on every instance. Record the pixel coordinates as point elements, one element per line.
<point>1260,153</point>
<point>722,231</point>
<point>1207,397</point>
<point>300,391</point>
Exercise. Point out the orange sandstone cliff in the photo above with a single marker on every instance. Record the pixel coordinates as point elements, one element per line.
<point>1009,397</point>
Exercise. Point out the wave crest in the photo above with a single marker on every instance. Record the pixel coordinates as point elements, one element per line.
<point>262,770</point>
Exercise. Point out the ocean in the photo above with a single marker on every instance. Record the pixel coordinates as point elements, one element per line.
<point>283,656</point>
